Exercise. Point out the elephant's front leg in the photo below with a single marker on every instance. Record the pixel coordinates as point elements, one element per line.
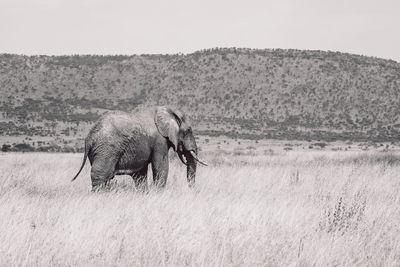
<point>159,166</point>
<point>140,179</point>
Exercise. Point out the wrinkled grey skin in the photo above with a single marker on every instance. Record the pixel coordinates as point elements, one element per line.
<point>126,143</point>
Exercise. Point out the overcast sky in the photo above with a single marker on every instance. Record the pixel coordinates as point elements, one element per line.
<point>54,27</point>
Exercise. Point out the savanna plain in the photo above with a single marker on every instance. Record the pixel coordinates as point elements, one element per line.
<point>277,208</point>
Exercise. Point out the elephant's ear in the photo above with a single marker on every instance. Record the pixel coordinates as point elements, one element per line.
<point>168,123</point>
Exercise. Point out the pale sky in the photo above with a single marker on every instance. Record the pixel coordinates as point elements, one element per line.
<point>58,27</point>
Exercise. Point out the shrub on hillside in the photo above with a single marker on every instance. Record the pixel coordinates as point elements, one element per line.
<point>23,147</point>
<point>5,148</point>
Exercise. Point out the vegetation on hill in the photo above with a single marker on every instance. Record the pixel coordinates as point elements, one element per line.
<point>284,94</point>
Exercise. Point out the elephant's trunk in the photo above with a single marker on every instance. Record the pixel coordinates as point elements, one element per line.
<point>187,152</point>
<point>191,168</point>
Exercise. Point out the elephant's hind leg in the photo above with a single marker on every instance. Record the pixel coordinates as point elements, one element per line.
<point>102,171</point>
<point>140,179</point>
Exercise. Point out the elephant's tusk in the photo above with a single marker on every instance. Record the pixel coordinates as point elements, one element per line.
<point>181,158</point>
<point>196,158</point>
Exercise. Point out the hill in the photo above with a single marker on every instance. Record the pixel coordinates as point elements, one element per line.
<point>283,94</point>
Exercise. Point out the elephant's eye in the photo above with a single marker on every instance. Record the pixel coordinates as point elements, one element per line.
<point>188,131</point>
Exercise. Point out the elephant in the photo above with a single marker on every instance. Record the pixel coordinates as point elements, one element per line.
<point>122,143</point>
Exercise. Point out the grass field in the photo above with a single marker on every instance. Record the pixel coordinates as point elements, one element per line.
<point>293,208</point>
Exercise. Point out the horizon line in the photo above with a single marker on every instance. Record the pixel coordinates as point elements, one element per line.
<point>199,51</point>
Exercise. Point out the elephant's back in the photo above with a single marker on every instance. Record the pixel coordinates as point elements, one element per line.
<point>117,127</point>
<point>119,122</point>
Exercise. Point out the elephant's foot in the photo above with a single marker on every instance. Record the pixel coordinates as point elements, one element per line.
<point>140,178</point>
<point>141,184</point>
<point>99,186</point>
<point>142,187</point>
<point>160,183</point>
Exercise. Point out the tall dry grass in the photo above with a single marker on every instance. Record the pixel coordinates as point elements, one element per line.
<point>292,209</point>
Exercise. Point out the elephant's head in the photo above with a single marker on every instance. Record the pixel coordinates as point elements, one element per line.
<point>173,125</point>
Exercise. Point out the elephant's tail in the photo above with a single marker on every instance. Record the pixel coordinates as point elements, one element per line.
<point>84,161</point>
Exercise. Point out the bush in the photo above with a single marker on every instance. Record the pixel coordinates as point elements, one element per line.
<point>344,215</point>
<point>23,148</point>
<point>389,159</point>
<point>5,148</point>
<point>321,145</point>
